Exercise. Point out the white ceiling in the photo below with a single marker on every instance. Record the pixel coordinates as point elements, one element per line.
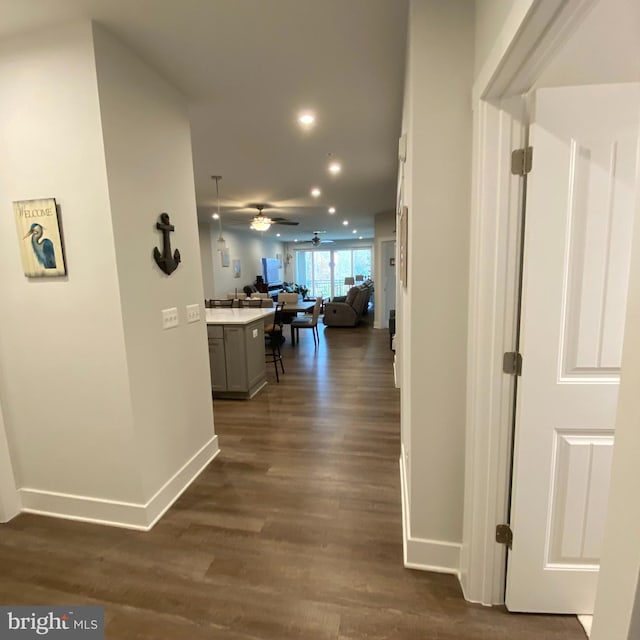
<point>247,67</point>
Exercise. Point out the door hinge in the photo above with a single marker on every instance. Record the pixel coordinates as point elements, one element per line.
<point>521,161</point>
<point>504,535</point>
<point>512,363</point>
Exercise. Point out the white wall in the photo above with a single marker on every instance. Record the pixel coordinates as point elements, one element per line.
<point>385,283</point>
<point>247,246</point>
<point>434,307</point>
<point>101,409</point>
<point>206,258</point>
<point>385,224</point>
<point>385,229</point>
<point>497,23</point>
<point>490,18</point>
<point>288,258</point>
<point>150,171</point>
<point>65,386</point>
<point>9,499</point>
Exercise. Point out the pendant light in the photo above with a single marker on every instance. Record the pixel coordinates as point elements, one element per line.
<point>222,245</point>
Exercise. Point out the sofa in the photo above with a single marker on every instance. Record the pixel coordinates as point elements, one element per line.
<point>347,312</point>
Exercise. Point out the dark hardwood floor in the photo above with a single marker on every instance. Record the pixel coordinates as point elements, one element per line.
<point>294,531</point>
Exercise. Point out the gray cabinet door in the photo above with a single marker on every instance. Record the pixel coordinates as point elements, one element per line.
<point>217,363</point>
<point>235,356</point>
<point>254,347</point>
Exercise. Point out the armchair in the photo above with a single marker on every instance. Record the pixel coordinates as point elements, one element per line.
<point>349,312</point>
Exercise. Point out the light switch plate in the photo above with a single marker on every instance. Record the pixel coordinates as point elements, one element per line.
<point>170,318</point>
<point>193,312</point>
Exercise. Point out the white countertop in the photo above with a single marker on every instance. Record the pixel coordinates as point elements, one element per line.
<point>236,316</point>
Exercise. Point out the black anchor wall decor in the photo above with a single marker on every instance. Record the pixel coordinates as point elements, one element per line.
<point>167,262</point>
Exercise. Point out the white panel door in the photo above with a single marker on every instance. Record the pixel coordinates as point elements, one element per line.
<point>576,268</point>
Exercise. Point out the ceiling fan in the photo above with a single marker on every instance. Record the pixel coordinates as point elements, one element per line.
<point>262,222</point>
<point>316,240</point>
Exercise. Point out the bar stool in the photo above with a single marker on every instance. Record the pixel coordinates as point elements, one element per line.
<point>274,333</point>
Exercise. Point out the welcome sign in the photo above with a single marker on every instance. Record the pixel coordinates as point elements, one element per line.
<point>39,237</point>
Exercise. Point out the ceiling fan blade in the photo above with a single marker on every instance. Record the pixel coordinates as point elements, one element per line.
<point>283,221</point>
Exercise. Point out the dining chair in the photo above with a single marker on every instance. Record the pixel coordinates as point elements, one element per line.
<point>288,298</point>
<point>308,322</point>
<point>220,303</point>
<point>273,331</point>
<point>291,299</point>
<point>250,303</point>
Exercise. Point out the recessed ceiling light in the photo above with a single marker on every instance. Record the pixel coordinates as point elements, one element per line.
<point>345,223</point>
<point>296,240</point>
<point>355,231</point>
<point>306,119</point>
<point>215,216</point>
<point>360,238</point>
<point>277,235</point>
<point>315,192</point>
<point>332,210</point>
<point>335,168</point>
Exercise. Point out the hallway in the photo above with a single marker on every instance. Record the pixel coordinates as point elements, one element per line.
<point>294,531</point>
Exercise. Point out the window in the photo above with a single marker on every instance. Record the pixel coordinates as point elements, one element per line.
<point>323,272</point>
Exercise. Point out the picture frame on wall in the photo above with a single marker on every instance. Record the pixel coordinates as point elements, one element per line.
<point>237,271</point>
<point>39,237</point>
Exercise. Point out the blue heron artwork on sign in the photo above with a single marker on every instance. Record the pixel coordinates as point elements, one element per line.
<point>41,246</point>
<point>43,249</point>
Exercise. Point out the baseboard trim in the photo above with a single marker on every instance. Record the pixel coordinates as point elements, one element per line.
<point>114,513</point>
<point>420,553</point>
<point>178,484</point>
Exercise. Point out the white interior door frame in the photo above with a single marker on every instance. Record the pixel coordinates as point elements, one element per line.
<point>533,32</point>
<point>378,320</point>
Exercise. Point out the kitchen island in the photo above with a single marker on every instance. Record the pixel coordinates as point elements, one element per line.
<point>236,351</point>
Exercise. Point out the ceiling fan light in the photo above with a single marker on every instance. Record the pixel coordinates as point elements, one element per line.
<point>261,223</point>
<point>222,245</point>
